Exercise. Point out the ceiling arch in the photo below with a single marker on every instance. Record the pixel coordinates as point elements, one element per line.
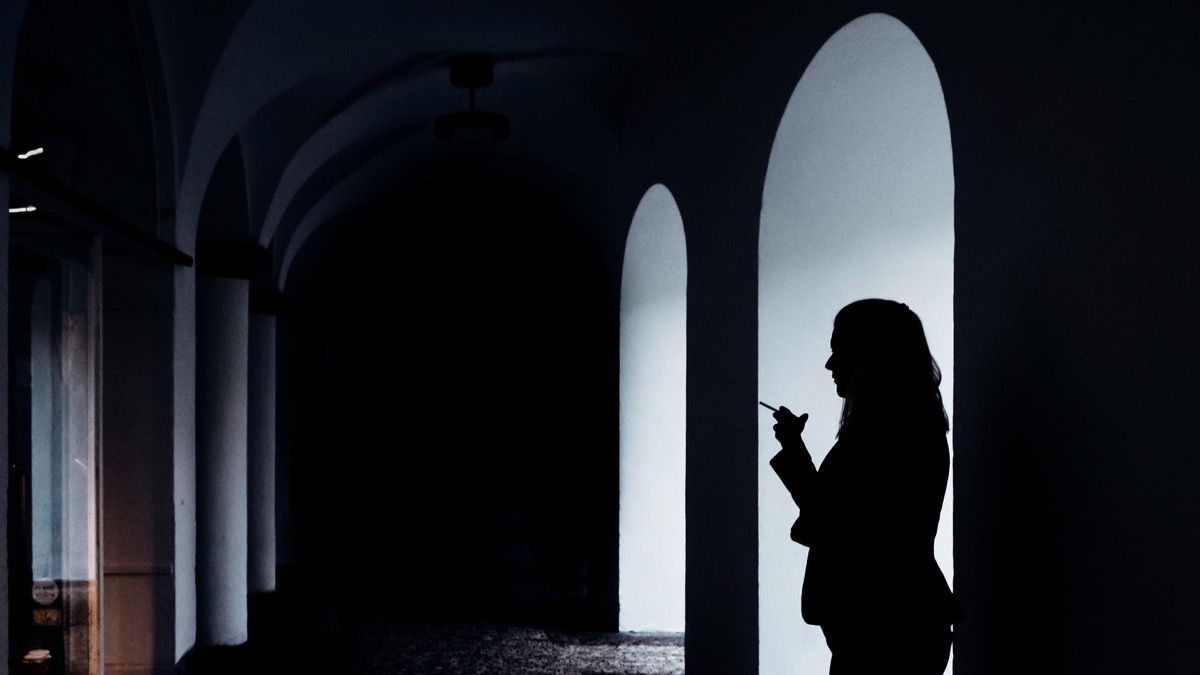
<point>358,55</point>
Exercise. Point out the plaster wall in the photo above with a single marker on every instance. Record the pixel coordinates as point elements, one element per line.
<point>139,487</point>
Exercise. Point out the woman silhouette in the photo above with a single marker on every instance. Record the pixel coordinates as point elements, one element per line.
<point>870,514</point>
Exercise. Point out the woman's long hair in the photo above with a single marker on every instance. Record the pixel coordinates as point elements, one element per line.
<point>894,372</point>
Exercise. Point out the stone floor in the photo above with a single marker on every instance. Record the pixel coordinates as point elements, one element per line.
<point>457,647</point>
<point>300,633</point>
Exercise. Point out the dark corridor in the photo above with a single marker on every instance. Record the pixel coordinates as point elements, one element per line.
<point>451,454</point>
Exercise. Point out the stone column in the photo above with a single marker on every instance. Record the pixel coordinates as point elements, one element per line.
<point>263,309</point>
<point>222,338</point>
<point>222,446</point>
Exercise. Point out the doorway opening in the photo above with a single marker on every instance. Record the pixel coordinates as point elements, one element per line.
<point>652,417</point>
<point>54,451</point>
<point>858,202</point>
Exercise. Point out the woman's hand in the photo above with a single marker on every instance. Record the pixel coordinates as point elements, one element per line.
<point>793,464</point>
<point>788,427</point>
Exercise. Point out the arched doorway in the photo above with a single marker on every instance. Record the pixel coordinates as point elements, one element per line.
<point>653,379</point>
<point>858,202</point>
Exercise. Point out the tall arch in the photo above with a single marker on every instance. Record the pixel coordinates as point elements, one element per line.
<point>652,417</point>
<point>857,202</point>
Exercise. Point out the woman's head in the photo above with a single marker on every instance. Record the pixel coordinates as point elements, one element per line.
<point>881,360</point>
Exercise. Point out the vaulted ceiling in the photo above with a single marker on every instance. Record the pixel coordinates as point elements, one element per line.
<point>331,106</point>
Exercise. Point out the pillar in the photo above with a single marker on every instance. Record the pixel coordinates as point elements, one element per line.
<point>222,338</point>
<point>261,448</point>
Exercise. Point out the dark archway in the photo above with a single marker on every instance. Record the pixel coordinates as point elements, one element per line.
<point>451,379</point>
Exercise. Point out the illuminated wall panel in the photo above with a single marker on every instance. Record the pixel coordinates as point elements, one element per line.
<point>653,360</point>
<point>858,202</point>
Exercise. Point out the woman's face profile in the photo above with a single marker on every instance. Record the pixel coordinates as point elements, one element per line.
<point>840,365</point>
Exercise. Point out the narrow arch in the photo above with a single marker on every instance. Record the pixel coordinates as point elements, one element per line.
<point>857,202</point>
<point>224,215</point>
<point>652,417</point>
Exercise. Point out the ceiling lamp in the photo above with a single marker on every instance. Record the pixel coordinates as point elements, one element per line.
<point>471,126</point>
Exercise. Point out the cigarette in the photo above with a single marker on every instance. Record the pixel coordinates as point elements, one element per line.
<point>768,407</point>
